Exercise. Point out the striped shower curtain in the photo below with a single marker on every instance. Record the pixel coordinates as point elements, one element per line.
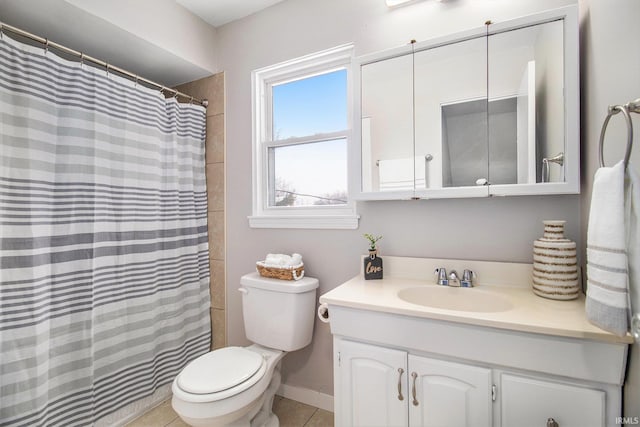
<point>104,276</point>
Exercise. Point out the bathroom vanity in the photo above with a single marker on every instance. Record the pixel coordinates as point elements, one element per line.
<point>409,352</point>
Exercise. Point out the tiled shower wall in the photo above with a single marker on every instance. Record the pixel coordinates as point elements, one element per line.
<point>212,89</point>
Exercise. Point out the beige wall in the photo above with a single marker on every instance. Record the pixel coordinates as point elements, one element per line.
<point>610,57</point>
<point>212,89</point>
<point>494,229</point>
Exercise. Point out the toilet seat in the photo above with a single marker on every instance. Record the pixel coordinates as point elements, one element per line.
<point>221,373</point>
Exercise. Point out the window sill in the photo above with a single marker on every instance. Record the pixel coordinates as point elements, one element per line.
<point>333,222</point>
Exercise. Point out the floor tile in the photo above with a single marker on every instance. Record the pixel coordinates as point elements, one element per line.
<point>292,413</point>
<point>159,416</point>
<point>320,418</point>
<point>177,423</point>
<point>289,412</point>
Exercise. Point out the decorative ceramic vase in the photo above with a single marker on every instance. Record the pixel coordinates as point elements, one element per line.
<point>555,266</point>
<point>373,266</point>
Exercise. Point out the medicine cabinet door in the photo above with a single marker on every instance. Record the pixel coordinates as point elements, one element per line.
<point>387,126</point>
<point>451,150</point>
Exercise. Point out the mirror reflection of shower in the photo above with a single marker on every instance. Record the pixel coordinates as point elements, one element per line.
<point>546,167</point>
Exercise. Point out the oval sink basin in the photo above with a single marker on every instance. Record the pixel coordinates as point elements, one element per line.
<point>458,299</point>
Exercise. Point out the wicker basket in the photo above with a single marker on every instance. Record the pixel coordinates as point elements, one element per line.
<point>282,273</point>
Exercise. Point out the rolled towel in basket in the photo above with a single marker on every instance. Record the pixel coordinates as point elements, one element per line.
<point>296,259</point>
<point>282,260</point>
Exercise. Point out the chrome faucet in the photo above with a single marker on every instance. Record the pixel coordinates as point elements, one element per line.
<point>452,279</point>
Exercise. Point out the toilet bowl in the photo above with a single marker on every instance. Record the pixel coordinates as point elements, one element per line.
<point>235,386</point>
<point>247,374</point>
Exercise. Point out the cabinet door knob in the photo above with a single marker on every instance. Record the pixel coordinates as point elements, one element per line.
<point>400,372</point>
<point>413,389</point>
<point>552,423</point>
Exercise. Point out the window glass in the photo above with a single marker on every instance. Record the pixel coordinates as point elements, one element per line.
<point>301,120</point>
<point>309,174</point>
<point>310,106</point>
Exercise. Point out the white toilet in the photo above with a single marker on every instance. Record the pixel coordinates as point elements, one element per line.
<point>235,386</point>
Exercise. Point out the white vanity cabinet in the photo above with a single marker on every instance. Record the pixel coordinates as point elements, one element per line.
<point>500,356</point>
<point>378,386</point>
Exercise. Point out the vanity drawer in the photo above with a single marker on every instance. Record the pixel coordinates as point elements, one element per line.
<point>531,402</point>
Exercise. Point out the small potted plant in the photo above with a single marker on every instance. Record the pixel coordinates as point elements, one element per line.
<point>372,244</point>
<point>372,264</point>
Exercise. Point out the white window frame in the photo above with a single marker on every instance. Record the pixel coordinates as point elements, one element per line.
<point>317,216</point>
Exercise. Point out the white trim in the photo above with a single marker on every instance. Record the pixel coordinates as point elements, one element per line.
<point>537,188</point>
<point>307,396</point>
<point>324,60</point>
<point>453,192</point>
<point>325,216</point>
<point>318,137</point>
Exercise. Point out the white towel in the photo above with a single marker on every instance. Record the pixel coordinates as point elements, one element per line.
<point>607,303</point>
<point>282,260</point>
<point>632,226</point>
<point>401,174</point>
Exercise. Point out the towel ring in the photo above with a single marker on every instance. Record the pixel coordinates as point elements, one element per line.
<point>613,110</point>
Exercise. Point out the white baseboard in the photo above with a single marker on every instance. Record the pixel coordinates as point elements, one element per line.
<point>304,395</point>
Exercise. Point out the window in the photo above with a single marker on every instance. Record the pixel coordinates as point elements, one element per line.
<point>301,132</point>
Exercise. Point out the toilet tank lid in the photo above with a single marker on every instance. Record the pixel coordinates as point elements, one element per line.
<point>254,280</point>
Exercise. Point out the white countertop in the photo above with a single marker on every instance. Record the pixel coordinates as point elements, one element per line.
<point>530,313</point>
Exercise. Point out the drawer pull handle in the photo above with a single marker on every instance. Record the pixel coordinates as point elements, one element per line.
<point>413,389</point>
<point>400,372</point>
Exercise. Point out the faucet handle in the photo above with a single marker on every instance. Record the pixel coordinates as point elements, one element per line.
<point>441,273</point>
<point>467,278</point>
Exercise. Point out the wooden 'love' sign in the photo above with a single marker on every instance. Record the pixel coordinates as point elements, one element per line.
<point>372,266</point>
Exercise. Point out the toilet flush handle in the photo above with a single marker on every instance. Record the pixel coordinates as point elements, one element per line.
<point>243,290</point>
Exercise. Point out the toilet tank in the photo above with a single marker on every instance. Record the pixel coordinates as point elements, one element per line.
<point>278,314</point>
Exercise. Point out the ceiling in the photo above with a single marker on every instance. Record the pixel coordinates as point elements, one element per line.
<point>101,29</point>
<point>220,12</point>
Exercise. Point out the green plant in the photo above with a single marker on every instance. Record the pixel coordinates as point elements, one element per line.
<point>372,240</point>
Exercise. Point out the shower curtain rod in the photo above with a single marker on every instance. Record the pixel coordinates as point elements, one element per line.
<point>47,43</point>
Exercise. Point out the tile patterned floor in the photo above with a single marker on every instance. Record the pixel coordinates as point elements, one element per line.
<point>290,413</point>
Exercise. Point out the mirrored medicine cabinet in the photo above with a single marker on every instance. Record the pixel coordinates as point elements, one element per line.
<point>490,111</point>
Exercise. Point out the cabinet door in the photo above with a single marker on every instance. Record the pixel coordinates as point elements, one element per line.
<point>387,125</point>
<point>448,394</point>
<point>528,402</point>
<point>451,117</point>
<point>372,383</point>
